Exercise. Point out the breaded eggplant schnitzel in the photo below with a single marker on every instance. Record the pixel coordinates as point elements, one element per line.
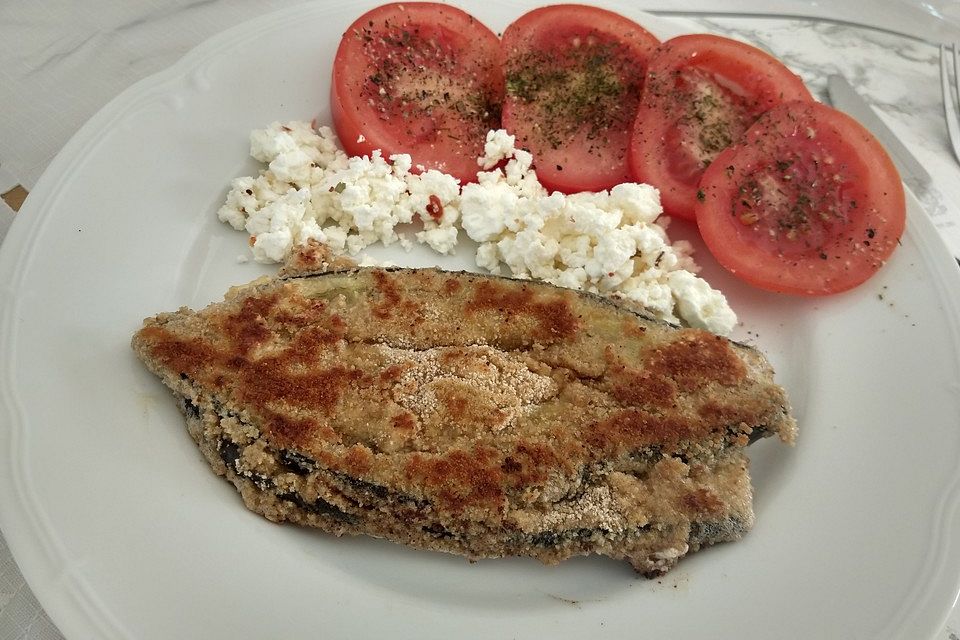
<point>471,414</point>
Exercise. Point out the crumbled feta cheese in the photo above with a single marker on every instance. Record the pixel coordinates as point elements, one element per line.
<point>611,242</point>
<point>365,196</point>
<point>440,239</point>
<point>351,202</point>
<point>605,242</point>
<point>241,200</point>
<point>278,226</point>
<point>699,304</point>
<point>498,146</point>
<point>434,197</point>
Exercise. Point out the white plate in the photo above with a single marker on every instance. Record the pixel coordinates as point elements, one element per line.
<point>123,532</point>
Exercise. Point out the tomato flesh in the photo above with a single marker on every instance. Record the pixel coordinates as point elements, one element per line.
<point>419,78</point>
<point>807,203</point>
<point>702,93</point>
<point>574,75</point>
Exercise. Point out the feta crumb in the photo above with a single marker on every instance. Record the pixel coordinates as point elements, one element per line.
<point>441,239</point>
<point>278,226</point>
<point>498,146</point>
<point>699,304</point>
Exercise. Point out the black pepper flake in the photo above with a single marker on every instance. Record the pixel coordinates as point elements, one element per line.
<point>590,89</point>
<point>701,196</point>
<point>871,233</point>
<point>559,167</point>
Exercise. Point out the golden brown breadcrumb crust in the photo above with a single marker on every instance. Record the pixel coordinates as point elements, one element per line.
<point>479,396</point>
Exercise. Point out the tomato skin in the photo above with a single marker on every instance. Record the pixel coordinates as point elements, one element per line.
<point>421,78</point>
<point>577,131</point>
<point>701,94</point>
<point>808,203</point>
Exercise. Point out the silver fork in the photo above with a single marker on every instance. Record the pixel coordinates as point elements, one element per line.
<point>951,95</point>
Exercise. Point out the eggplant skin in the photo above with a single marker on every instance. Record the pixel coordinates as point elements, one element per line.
<point>485,410</point>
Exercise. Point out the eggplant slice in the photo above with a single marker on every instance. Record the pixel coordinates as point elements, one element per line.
<point>471,414</point>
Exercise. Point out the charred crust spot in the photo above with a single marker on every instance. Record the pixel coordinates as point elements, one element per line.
<point>389,295</point>
<point>186,356</point>
<point>391,300</point>
<point>248,327</point>
<point>466,409</point>
<point>271,381</point>
<point>696,359</point>
<point>404,422</point>
<point>459,479</point>
<point>285,430</point>
<point>633,429</point>
<point>392,374</point>
<point>634,329</point>
<point>455,404</point>
<point>510,466</point>
<point>312,340</point>
<point>735,412</point>
<point>529,464</point>
<point>337,324</point>
<point>703,501</point>
<point>357,460</point>
<point>451,286</point>
<point>554,316</point>
<point>639,389</point>
<point>557,318</point>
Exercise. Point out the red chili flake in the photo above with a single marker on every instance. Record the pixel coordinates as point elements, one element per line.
<point>435,208</point>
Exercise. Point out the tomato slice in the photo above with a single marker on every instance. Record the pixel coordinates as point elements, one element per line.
<point>418,78</point>
<point>702,93</point>
<point>574,75</point>
<point>807,203</point>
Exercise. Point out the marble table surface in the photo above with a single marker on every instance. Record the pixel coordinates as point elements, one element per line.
<point>60,62</point>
